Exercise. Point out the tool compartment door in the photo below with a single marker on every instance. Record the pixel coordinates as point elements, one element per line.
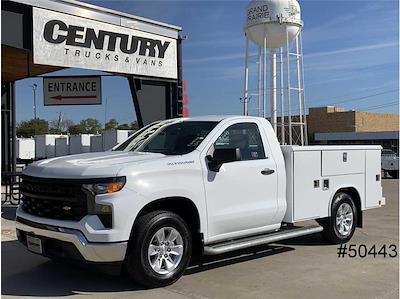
<point>308,199</point>
<point>373,184</point>
<point>340,162</point>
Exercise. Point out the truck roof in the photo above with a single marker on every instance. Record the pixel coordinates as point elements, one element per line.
<point>218,117</point>
<point>299,148</point>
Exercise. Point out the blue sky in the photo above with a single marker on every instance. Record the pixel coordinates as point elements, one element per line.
<point>351,58</point>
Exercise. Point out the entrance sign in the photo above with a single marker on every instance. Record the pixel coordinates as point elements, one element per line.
<point>72,90</point>
<point>70,41</point>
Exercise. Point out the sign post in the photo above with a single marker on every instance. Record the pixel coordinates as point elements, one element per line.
<point>72,90</point>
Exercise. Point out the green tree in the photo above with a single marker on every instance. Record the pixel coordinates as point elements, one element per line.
<point>112,124</point>
<point>90,126</point>
<point>60,126</point>
<point>55,131</point>
<point>76,129</point>
<point>134,125</point>
<point>32,127</point>
<point>124,127</point>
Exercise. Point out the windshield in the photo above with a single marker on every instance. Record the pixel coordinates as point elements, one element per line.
<point>170,137</point>
<point>129,143</point>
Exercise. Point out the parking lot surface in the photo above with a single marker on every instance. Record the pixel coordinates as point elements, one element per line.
<point>300,268</point>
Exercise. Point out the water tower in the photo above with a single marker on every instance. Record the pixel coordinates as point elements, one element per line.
<point>274,28</point>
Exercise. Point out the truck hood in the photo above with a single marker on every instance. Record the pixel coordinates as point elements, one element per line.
<point>90,165</point>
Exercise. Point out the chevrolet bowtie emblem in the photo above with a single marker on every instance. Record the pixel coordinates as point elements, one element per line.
<point>66,208</point>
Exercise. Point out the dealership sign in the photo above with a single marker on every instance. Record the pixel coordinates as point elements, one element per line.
<point>72,90</point>
<point>70,41</point>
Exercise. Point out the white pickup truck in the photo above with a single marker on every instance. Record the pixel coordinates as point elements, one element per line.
<point>390,163</point>
<point>207,184</point>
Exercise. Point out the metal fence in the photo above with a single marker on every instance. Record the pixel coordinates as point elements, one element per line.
<point>10,193</point>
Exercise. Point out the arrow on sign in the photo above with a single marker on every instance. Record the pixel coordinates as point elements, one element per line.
<point>60,97</point>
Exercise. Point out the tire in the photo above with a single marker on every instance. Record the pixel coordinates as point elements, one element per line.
<point>343,207</point>
<point>394,174</point>
<point>154,261</point>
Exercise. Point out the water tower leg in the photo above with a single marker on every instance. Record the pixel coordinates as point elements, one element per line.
<point>281,95</point>
<point>265,74</point>
<point>273,89</point>
<point>246,79</point>
<point>299,91</point>
<point>288,89</point>
<point>260,111</point>
<point>303,93</point>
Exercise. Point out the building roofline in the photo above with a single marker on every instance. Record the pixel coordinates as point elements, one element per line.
<point>103,14</point>
<point>349,110</point>
<point>383,135</point>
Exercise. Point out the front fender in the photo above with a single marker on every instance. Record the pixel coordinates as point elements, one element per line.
<point>154,182</point>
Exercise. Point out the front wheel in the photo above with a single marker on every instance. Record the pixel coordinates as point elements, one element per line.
<point>340,227</point>
<point>159,250</point>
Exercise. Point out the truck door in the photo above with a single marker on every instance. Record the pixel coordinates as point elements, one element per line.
<point>242,196</point>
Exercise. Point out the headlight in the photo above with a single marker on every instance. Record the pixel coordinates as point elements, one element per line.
<point>114,185</point>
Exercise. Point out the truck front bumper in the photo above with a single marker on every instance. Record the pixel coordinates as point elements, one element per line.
<point>69,243</point>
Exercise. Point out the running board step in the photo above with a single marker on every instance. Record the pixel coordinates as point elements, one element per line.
<point>260,240</point>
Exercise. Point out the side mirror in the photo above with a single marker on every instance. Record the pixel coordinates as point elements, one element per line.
<point>221,156</point>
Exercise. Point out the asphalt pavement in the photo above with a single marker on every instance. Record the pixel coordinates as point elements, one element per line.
<point>305,267</point>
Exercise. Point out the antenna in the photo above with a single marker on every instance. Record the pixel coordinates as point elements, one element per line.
<point>274,27</point>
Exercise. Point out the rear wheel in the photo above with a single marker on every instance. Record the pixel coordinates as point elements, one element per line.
<point>340,227</point>
<point>159,250</point>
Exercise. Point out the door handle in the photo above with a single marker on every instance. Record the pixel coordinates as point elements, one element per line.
<point>267,171</point>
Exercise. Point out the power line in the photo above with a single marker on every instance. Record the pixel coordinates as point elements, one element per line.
<point>350,100</point>
<point>390,104</point>
<point>360,98</point>
<point>354,92</point>
<point>294,107</point>
<point>366,97</point>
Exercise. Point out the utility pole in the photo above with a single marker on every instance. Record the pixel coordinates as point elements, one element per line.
<point>105,113</point>
<point>60,119</point>
<point>34,86</point>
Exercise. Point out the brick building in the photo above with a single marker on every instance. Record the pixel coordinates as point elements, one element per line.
<point>333,125</point>
<point>334,119</point>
